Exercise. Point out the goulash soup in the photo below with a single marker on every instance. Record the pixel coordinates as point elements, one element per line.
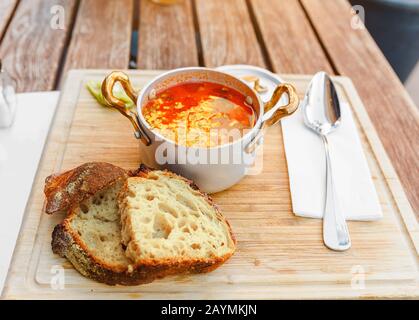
<point>200,114</point>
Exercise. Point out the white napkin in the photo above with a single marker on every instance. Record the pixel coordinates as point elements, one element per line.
<point>21,148</point>
<point>305,155</point>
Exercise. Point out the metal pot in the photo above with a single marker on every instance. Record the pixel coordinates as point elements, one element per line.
<point>212,169</point>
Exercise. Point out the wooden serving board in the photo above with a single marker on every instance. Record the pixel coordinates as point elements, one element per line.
<point>278,255</point>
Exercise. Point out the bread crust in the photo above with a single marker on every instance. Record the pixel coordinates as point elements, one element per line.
<point>67,246</point>
<point>67,243</point>
<point>66,190</point>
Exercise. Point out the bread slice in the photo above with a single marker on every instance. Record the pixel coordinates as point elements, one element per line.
<point>72,187</point>
<point>167,222</point>
<point>90,235</point>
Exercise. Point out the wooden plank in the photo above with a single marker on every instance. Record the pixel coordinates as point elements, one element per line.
<point>101,35</point>
<point>278,255</point>
<point>6,11</point>
<point>166,36</point>
<point>355,54</point>
<point>290,41</point>
<point>33,45</point>
<point>227,33</point>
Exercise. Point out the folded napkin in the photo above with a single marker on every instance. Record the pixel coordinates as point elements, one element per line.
<point>21,147</point>
<point>306,161</point>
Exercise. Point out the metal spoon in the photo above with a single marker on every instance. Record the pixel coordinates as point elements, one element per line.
<point>321,111</point>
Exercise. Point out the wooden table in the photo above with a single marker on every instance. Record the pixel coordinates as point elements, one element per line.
<point>285,36</point>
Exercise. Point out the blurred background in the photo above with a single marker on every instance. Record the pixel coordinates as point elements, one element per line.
<point>394,24</point>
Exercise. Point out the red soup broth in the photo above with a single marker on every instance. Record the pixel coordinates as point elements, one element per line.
<point>201,114</point>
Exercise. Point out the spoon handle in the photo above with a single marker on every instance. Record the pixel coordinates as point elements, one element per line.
<point>335,229</point>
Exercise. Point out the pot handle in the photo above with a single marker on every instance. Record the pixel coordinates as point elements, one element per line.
<point>114,102</point>
<point>273,113</point>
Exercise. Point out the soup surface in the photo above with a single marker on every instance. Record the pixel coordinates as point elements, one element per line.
<point>200,114</point>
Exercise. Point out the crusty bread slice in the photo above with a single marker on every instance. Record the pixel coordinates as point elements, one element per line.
<point>167,221</point>
<point>90,235</point>
<point>90,238</point>
<point>69,188</point>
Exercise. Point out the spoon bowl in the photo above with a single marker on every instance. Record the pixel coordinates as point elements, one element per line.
<point>321,107</point>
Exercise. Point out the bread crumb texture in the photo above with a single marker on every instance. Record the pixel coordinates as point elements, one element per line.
<point>96,221</point>
<point>164,219</point>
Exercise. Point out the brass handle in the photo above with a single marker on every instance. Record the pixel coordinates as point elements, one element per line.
<point>114,102</point>
<point>281,111</point>
<point>272,115</point>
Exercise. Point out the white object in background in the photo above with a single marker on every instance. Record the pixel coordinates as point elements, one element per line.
<point>305,155</point>
<point>7,99</point>
<point>21,148</point>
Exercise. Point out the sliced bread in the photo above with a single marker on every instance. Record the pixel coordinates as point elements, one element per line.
<point>72,187</point>
<point>167,221</point>
<point>90,235</point>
